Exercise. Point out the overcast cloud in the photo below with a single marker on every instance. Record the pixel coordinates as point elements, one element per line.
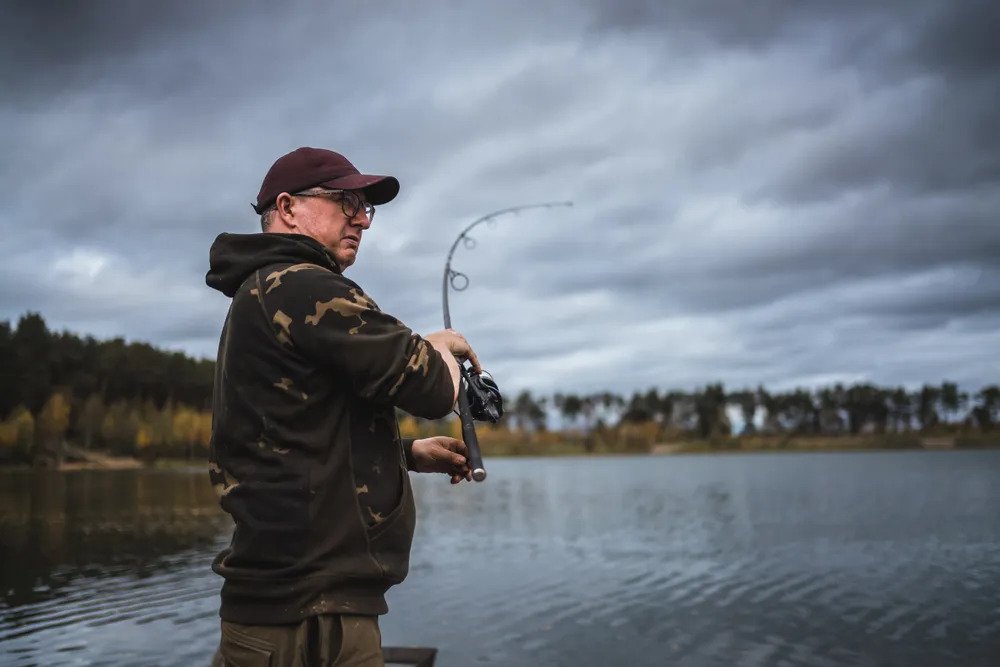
<point>777,192</point>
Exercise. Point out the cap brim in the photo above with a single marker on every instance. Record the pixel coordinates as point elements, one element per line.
<point>378,189</point>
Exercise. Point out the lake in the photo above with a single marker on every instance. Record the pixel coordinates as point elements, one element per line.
<point>878,558</point>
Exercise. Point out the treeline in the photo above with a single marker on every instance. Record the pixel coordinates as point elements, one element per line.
<point>126,398</point>
<point>610,422</point>
<point>134,399</point>
<point>828,411</point>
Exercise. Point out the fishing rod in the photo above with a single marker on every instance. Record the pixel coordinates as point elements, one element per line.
<point>478,397</point>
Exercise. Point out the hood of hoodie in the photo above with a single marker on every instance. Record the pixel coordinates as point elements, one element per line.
<point>233,257</point>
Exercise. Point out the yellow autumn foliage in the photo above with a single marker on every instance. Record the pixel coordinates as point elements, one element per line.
<point>143,437</point>
<point>17,432</point>
<point>53,420</point>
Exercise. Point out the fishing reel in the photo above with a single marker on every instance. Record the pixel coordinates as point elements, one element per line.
<point>485,401</point>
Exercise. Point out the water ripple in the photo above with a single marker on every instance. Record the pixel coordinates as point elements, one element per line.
<point>751,561</point>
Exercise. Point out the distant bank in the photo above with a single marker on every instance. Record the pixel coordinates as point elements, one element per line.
<point>70,457</point>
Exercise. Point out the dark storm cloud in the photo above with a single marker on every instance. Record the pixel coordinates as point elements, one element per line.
<point>77,46</point>
<point>959,39</point>
<point>941,139</point>
<point>948,37</point>
<point>750,259</point>
<point>778,192</point>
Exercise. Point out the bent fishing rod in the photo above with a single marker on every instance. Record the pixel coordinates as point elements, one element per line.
<point>478,397</point>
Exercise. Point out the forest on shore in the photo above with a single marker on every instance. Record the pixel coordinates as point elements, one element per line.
<point>133,399</point>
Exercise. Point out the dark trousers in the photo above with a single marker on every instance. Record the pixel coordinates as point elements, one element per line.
<point>328,640</point>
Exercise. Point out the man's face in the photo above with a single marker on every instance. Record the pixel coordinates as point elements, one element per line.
<point>323,218</point>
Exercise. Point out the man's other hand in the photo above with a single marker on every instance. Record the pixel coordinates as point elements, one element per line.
<point>442,453</point>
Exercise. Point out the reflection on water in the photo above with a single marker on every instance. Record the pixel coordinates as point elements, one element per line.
<point>816,559</point>
<point>107,567</point>
<point>60,525</point>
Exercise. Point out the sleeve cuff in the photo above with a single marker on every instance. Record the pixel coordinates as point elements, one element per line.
<point>408,451</point>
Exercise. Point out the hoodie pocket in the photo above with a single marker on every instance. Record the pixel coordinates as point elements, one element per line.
<point>389,541</point>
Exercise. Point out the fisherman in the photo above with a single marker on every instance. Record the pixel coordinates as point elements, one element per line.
<point>306,453</point>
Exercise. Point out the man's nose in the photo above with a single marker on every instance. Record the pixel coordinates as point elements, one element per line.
<point>362,220</point>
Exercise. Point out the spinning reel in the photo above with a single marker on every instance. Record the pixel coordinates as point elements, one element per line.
<point>485,401</point>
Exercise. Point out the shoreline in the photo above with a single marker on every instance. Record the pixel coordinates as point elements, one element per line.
<point>94,460</point>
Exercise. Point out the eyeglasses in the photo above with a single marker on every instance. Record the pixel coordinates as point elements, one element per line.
<point>351,201</point>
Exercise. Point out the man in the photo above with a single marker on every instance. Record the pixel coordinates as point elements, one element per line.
<point>306,453</point>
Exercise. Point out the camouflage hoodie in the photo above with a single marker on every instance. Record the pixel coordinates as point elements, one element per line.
<point>305,451</point>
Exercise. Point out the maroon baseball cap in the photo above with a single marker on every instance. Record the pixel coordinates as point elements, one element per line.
<point>306,168</point>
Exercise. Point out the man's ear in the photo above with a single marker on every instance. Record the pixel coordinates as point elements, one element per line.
<point>283,209</point>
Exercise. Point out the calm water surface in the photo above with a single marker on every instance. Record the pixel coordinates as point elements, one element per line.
<point>787,559</point>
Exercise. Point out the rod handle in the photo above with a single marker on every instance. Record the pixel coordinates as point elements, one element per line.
<point>469,435</point>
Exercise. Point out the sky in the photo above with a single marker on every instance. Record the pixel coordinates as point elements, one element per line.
<point>778,193</point>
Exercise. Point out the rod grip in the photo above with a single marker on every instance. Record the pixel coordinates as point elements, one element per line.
<point>469,435</point>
